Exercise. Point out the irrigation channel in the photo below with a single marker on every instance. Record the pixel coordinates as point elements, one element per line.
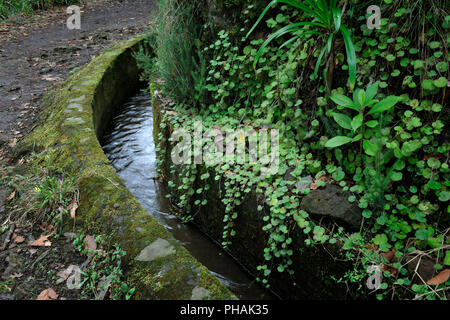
<point>129,145</point>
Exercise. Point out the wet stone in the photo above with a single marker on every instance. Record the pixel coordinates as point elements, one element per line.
<point>199,293</point>
<point>73,106</point>
<point>158,249</point>
<point>78,99</point>
<point>74,120</point>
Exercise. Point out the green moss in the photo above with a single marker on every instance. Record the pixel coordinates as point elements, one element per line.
<point>75,114</point>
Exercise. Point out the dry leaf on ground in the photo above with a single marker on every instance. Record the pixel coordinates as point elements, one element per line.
<point>18,239</point>
<point>90,242</point>
<point>42,241</point>
<point>440,278</point>
<point>48,294</point>
<point>51,78</point>
<point>389,256</point>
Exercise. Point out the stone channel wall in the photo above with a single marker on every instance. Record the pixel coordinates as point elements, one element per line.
<point>75,115</point>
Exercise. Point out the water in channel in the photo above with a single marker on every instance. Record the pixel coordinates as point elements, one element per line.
<point>129,146</point>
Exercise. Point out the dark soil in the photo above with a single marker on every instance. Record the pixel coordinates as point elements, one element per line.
<point>25,270</point>
<point>35,54</point>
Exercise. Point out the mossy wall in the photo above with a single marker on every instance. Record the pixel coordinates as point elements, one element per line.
<point>313,266</point>
<point>75,114</point>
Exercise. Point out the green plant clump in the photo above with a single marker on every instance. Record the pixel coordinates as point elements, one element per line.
<point>104,271</point>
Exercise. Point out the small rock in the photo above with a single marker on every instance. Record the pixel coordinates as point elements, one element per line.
<point>159,248</point>
<point>74,120</point>
<point>425,270</point>
<point>332,202</point>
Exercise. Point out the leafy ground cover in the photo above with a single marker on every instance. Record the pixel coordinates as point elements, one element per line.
<point>374,123</point>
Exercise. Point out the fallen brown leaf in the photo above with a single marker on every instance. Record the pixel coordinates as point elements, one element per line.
<point>47,294</point>
<point>389,256</point>
<point>47,227</point>
<point>42,241</point>
<point>18,239</point>
<point>90,242</point>
<point>314,185</point>
<point>440,278</point>
<point>390,269</point>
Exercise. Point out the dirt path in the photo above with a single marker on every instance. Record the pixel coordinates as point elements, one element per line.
<point>36,55</point>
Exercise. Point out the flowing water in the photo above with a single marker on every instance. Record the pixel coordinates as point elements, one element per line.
<point>130,147</point>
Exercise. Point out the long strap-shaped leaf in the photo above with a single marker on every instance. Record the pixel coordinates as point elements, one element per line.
<point>301,35</point>
<point>282,31</point>
<point>351,56</point>
<point>320,10</point>
<point>319,60</point>
<point>293,3</point>
<point>337,18</point>
<point>326,15</point>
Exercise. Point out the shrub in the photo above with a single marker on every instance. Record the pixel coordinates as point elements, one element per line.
<point>180,64</point>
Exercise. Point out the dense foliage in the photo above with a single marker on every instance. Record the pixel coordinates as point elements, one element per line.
<point>384,140</point>
<point>26,7</point>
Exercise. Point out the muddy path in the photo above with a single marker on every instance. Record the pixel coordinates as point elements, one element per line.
<point>34,55</point>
